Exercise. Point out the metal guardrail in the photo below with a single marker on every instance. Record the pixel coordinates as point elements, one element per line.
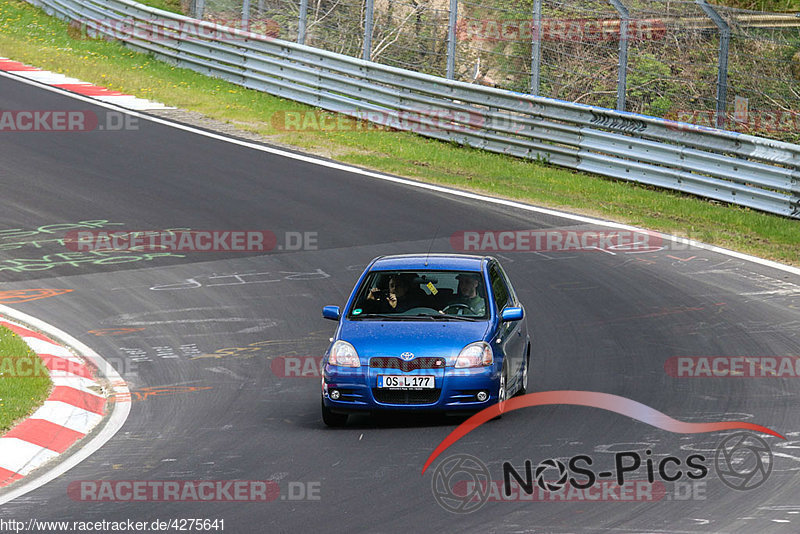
<point>741,169</point>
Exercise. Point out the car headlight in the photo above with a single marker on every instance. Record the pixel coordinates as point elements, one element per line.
<point>476,354</point>
<point>344,354</point>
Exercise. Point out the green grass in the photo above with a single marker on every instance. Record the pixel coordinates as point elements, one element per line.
<point>24,381</point>
<point>167,5</point>
<point>762,5</point>
<point>30,36</point>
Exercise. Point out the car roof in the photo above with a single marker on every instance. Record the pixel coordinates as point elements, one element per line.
<point>429,262</point>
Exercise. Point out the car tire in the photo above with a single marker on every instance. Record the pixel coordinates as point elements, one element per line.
<point>332,419</point>
<point>525,372</point>
<point>502,390</point>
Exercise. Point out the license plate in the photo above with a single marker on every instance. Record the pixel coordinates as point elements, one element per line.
<point>406,381</point>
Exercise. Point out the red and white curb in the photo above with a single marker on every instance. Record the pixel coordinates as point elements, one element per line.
<point>78,403</point>
<point>74,85</point>
<point>70,412</point>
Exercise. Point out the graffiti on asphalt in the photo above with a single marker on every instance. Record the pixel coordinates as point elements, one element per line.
<point>164,352</point>
<point>18,296</point>
<point>44,234</point>
<point>75,259</point>
<point>236,279</point>
<point>52,237</point>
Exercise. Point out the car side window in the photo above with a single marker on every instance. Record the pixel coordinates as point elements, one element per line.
<point>512,295</point>
<point>499,289</point>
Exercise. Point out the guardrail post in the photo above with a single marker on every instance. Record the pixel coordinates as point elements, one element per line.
<point>369,16</point>
<point>301,22</point>
<point>245,14</point>
<point>536,47</point>
<point>722,67</point>
<point>622,65</point>
<point>451,40</point>
<point>199,8</point>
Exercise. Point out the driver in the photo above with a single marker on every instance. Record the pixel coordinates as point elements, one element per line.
<point>467,293</point>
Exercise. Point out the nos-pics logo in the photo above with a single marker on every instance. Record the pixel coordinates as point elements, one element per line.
<point>461,483</point>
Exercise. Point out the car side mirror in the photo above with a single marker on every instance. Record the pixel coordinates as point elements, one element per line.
<point>331,312</point>
<point>512,314</point>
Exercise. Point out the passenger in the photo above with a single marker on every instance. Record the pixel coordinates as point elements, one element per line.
<point>398,298</point>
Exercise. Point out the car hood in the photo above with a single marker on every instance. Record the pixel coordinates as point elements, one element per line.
<point>422,338</point>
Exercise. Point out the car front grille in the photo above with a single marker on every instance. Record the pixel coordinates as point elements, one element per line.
<point>405,366</point>
<point>416,396</point>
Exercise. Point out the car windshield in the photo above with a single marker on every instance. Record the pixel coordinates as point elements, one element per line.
<point>399,295</point>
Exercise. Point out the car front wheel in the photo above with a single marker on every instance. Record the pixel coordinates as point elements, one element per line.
<point>502,391</point>
<point>525,369</point>
<point>332,419</point>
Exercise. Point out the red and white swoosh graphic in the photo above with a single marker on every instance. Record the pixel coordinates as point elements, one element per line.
<point>605,401</point>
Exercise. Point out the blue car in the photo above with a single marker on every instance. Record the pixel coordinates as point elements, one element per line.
<point>434,333</point>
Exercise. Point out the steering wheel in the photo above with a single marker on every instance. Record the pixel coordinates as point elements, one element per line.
<point>459,306</point>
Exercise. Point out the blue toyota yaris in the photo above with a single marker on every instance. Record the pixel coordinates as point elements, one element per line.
<point>437,332</point>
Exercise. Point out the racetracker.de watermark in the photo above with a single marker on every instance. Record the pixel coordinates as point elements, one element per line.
<point>419,121</point>
<point>604,491</point>
<point>733,366</point>
<point>760,120</point>
<point>25,366</point>
<point>193,490</point>
<point>297,366</point>
<point>217,29</point>
<point>43,120</point>
<point>570,30</point>
<point>32,367</point>
<point>556,240</point>
<point>188,240</point>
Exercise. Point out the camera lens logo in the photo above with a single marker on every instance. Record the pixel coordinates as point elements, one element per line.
<point>455,471</point>
<point>549,485</point>
<point>743,461</point>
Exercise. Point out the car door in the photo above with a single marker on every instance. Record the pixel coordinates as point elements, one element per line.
<point>509,334</point>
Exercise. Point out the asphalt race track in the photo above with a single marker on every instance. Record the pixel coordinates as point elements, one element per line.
<point>206,328</point>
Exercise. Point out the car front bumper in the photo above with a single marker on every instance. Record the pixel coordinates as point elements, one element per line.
<point>455,390</point>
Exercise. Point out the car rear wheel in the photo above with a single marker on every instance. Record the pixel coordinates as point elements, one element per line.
<point>332,419</point>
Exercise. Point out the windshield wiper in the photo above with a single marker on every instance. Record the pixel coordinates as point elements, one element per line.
<point>378,316</point>
<point>444,316</point>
